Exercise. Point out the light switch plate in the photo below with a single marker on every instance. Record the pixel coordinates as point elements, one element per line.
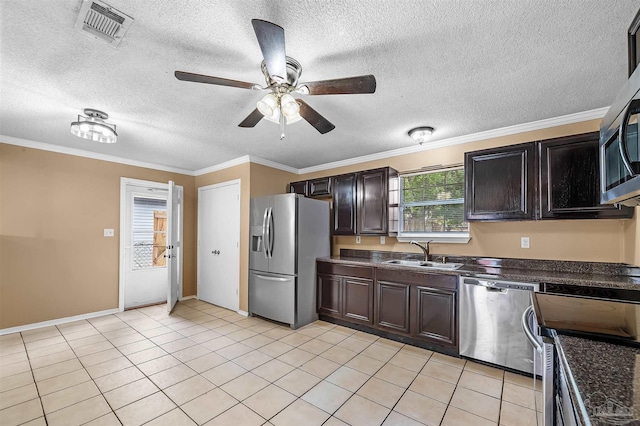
<point>382,240</point>
<point>108,232</point>
<point>524,242</point>
<point>357,239</point>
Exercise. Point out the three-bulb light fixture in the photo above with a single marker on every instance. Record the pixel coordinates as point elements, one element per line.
<point>280,108</point>
<point>93,127</point>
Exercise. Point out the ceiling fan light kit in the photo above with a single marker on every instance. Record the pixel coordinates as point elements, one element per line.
<point>92,126</point>
<point>421,134</point>
<point>281,74</point>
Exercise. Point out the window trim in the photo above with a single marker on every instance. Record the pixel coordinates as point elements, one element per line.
<point>438,237</point>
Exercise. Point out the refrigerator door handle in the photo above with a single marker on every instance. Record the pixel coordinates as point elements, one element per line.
<point>271,235</point>
<point>264,277</point>
<point>265,249</point>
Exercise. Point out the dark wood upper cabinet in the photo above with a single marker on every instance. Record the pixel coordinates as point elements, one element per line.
<point>570,180</point>
<point>373,202</point>
<point>344,204</point>
<point>500,183</point>
<point>301,187</point>
<point>320,187</point>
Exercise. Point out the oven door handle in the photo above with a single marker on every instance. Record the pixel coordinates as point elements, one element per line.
<point>527,331</point>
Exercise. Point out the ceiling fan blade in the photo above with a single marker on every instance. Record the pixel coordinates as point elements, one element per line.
<point>199,78</point>
<point>316,120</point>
<point>342,86</point>
<point>271,40</point>
<point>252,119</point>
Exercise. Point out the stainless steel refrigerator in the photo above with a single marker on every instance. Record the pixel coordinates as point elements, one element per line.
<point>287,233</point>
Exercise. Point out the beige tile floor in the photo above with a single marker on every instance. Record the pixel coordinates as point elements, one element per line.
<point>207,365</point>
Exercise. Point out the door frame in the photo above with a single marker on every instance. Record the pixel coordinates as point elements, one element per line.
<point>199,254</point>
<point>124,182</point>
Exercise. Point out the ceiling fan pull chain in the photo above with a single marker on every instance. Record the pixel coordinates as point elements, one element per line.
<point>282,123</point>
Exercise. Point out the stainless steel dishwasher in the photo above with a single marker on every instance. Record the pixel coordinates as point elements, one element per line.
<point>491,322</point>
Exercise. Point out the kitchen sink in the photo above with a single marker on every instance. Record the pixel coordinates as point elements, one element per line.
<point>405,262</point>
<point>425,265</point>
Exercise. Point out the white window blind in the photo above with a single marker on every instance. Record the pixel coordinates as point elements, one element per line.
<point>432,206</point>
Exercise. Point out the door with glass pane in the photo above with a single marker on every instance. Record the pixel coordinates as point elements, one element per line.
<point>145,234</point>
<point>173,235</point>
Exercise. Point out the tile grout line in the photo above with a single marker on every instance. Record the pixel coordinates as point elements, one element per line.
<point>46,421</point>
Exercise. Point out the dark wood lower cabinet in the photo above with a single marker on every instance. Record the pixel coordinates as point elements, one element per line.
<point>358,299</point>
<point>329,294</point>
<point>345,296</point>
<point>436,315</point>
<point>412,307</point>
<point>392,307</point>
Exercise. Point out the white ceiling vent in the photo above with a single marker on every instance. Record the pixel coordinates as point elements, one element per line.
<point>102,22</point>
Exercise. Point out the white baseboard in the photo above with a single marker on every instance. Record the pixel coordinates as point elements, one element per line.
<point>243,313</point>
<point>33,326</point>
<point>188,297</point>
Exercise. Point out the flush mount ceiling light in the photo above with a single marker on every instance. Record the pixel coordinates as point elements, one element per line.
<point>421,134</point>
<point>93,127</point>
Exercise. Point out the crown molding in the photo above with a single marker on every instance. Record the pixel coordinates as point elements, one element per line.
<point>222,166</point>
<point>275,165</point>
<point>474,137</point>
<point>458,140</point>
<point>10,140</point>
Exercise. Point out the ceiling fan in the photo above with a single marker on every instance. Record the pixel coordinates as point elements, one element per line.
<point>281,73</point>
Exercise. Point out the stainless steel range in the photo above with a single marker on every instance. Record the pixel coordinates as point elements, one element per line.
<point>491,322</point>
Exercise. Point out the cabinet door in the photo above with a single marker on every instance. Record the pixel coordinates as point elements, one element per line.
<point>320,187</point>
<point>570,180</point>
<point>392,306</point>
<point>301,188</point>
<point>329,295</point>
<point>373,202</point>
<point>358,299</point>
<point>500,183</point>
<point>344,204</point>
<point>435,315</point>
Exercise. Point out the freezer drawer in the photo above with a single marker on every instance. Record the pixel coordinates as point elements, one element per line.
<point>273,296</point>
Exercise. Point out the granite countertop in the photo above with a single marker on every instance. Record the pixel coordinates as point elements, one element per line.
<point>581,274</point>
<point>604,379</point>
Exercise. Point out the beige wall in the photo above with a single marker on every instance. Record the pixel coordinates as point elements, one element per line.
<point>583,240</point>
<point>54,260</point>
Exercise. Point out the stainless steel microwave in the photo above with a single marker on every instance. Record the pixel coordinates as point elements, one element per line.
<point>620,147</point>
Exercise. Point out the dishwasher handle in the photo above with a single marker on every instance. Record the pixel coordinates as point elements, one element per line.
<point>527,331</point>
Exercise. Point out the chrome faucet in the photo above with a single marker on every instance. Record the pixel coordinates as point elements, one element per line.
<point>424,248</point>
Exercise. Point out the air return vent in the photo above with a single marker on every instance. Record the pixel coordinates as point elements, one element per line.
<point>102,22</point>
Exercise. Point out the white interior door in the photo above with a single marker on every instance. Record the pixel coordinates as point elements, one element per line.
<point>174,244</point>
<point>219,244</point>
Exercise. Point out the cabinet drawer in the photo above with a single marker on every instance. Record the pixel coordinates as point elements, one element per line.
<point>346,270</point>
<point>424,279</point>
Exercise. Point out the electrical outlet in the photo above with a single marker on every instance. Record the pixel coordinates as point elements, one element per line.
<point>108,232</point>
<point>524,242</point>
<point>382,240</point>
<point>357,239</point>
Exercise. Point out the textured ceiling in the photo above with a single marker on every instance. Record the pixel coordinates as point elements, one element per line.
<point>459,66</point>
